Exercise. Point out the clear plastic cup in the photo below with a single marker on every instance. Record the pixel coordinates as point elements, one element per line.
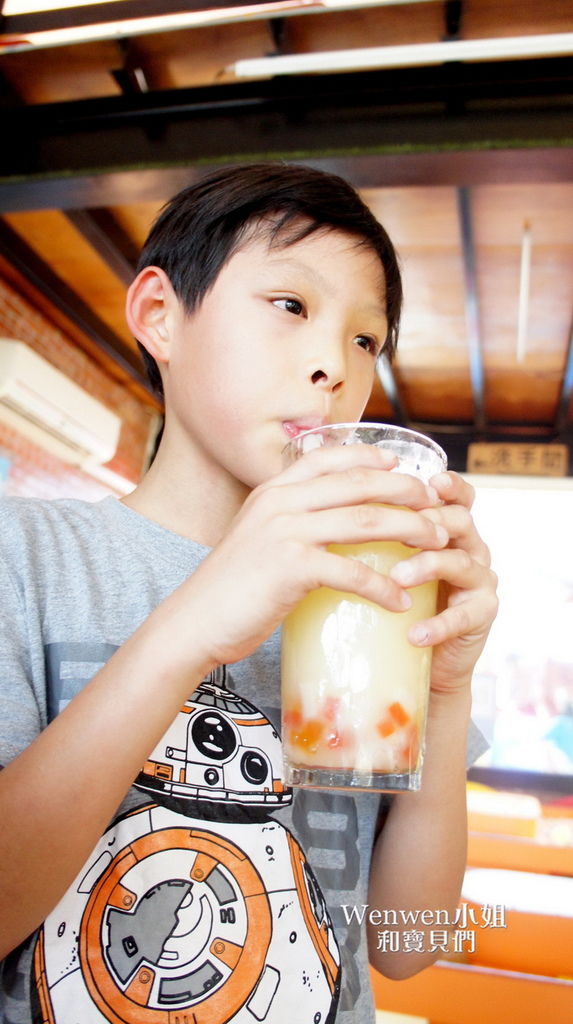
<point>354,689</point>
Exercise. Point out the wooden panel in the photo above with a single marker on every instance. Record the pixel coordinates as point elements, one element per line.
<point>56,241</point>
<point>527,389</point>
<point>482,18</point>
<point>550,300</point>
<point>500,210</point>
<point>383,26</point>
<point>416,217</point>
<point>66,73</point>
<point>379,407</point>
<point>438,392</point>
<point>515,396</point>
<point>200,56</point>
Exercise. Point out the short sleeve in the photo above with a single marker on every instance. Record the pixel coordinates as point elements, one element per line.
<point>477,744</point>
<point>19,711</point>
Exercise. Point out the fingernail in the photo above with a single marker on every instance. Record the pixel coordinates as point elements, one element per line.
<point>405,601</point>
<point>419,635</point>
<point>385,456</point>
<point>432,493</point>
<point>445,481</point>
<point>402,572</point>
<point>442,535</point>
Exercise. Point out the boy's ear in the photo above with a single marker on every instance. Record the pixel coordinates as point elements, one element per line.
<point>148,303</point>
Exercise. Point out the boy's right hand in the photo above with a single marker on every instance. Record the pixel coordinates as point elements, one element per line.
<point>275,550</point>
<point>273,553</point>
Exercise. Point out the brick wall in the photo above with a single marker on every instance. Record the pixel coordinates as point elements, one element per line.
<point>30,471</point>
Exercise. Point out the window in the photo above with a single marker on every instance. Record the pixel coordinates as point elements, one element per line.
<point>523,687</point>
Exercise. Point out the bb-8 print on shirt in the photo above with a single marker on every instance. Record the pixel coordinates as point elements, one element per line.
<point>197,908</point>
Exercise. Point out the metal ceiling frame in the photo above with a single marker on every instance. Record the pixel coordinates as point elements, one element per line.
<point>472,308</point>
<point>566,396</point>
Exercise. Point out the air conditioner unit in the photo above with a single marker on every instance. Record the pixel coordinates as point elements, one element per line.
<point>51,411</point>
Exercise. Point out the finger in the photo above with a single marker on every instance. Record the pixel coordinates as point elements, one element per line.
<point>461,529</point>
<point>452,565</point>
<point>352,576</point>
<point>352,485</point>
<point>472,604</point>
<point>471,617</point>
<point>336,458</point>
<point>358,524</point>
<point>451,487</point>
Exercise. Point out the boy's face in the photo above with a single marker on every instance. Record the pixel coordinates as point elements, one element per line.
<point>286,339</point>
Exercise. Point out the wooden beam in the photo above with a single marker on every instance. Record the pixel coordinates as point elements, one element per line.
<point>27,263</point>
<point>97,229</point>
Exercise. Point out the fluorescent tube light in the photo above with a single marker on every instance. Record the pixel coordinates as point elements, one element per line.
<point>524,285</point>
<point>411,55</point>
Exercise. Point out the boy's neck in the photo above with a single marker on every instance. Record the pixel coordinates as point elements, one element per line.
<point>188,495</point>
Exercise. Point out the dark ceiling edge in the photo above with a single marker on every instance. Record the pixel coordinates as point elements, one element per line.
<point>391,114</point>
<point>451,167</point>
<point>534,86</point>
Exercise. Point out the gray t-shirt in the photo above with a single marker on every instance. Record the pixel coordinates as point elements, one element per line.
<point>216,894</point>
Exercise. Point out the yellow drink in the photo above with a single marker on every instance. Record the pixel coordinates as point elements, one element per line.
<point>354,689</point>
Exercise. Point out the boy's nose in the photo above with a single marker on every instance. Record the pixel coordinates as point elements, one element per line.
<point>327,368</point>
<point>328,381</point>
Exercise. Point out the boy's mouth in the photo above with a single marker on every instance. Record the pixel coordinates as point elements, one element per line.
<point>293,428</point>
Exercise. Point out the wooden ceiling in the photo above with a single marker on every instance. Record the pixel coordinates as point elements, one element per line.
<point>468,163</point>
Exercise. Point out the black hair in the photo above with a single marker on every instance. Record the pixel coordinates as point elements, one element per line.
<point>203,225</point>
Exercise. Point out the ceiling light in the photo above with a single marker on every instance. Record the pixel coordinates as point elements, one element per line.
<point>523,302</point>
<point>411,55</point>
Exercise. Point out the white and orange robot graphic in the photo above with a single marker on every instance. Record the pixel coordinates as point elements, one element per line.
<point>199,907</point>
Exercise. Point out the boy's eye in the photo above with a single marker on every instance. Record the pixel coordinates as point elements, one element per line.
<point>290,305</point>
<point>368,343</point>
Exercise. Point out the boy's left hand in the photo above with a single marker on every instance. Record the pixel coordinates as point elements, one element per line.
<point>467,603</point>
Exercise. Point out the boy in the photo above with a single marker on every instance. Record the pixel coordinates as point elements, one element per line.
<point>264,296</point>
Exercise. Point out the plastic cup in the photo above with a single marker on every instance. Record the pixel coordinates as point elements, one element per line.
<point>354,689</point>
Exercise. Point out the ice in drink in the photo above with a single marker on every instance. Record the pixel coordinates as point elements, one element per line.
<point>354,689</point>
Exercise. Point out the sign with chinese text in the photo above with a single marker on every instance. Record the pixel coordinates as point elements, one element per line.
<point>518,459</point>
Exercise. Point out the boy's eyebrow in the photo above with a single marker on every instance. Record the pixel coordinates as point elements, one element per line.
<point>320,281</point>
